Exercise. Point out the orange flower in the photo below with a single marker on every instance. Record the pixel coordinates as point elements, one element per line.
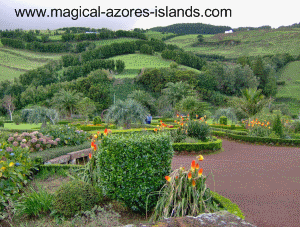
<point>200,172</point>
<point>200,158</point>
<point>182,168</point>
<point>98,132</point>
<point>193,165</point>
<point>196,115</point>
<point>155,130</point>
<point>168,178</point>
<point>188,115</point>
<point>93,144</point>
<point>197,166</point>
<point>176,177</point>
<point>189,175</point>
<point>177,115</point>
<point>193,183</point>
<point>105,132</point>
<point>95,147</point>
<point>90,155</point>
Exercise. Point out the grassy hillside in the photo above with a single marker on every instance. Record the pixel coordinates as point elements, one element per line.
<point>14,62</point>
<point>253,43</point>
<point>110,41</point>
<point>290,92</point>
<point>135,62</point>
<point>157,35</point>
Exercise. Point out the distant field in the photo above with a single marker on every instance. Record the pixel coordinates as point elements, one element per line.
<point>157,35</point>
<point>135,62</point>
<point>253,43</point>
<point>110,41</point>
<point>290,92</point>
<point>8,73</point>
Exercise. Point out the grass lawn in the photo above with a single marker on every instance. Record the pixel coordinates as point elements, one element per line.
<point>110,41</point>
<point>135,62</point>
<point>21,126</point>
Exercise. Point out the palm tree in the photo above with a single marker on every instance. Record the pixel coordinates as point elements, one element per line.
<point>125,112</point>
<point>251,102</point>
<point>66,101</point>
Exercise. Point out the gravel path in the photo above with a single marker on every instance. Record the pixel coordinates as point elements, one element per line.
<point>264,181</point>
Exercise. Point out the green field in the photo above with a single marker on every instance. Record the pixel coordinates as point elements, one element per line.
<point>157,35</point>
<point>253,43</point>
<point>9,73</point>
<point>110,41</point>
<point>290,92</point>
<point>135,62</point>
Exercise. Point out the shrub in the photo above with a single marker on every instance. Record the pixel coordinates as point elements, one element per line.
<point>223,120</point>
<point>173,65</point>
<point>178,135</point>
<point>128,181</point>
<point>296,126</point>
<point>280,82</point>
<point>75,196</point>
<point>198,147</point>
<point>17,119</point>
<point>97,120</point>
<point>146,49</point>
<point>198,129</point>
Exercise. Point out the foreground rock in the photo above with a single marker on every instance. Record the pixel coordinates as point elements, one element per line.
<point>221,218</point>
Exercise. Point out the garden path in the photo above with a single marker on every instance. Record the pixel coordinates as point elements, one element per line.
<point>264,181</point>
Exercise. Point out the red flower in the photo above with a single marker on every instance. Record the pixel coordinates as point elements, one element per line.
<point>193,183</point>
<point>168,178</point>
<point>90,155</point>
<point>193,166</point>
<point>105,131</point>
<point>189,175</point>
<point>200,172</point>
<point>197,166</point>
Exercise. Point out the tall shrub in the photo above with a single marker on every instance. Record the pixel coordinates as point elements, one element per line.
<point>130,167</point>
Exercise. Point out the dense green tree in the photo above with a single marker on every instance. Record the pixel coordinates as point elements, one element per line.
<point>39,114</point>
<point>191,105</point>
<point>143,98</point>
<point>86,107</point>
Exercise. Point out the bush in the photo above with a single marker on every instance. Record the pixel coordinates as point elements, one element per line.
<point>198,147</point>
<point>128,181</point>
<point>75,196</point>
<point>97,120</point>
<point>198,129</point>
<point>146,49</point>
<point>173,65</point>
<point>223,120</point>
<point>280,82</point>
<point>178,135</point>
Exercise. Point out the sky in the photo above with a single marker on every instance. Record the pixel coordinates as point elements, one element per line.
<point>253,13</point>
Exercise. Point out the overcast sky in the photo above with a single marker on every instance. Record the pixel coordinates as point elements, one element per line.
<point>253,13</point>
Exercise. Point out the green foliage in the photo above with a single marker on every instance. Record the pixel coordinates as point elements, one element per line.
<point>128,181</point>
<point>277,126</point>
<point>173,65</point>
<point>200,38</point>
<point>198,129</point>
<point>199,147</point>
<point>223,120</point>
<point>191,105</point>
<point>35,203</point>
<point>260,131</point>
<point>296,126</point>
<point>143,98</point>
<point>67,135</point>
<point>120,66</point>
<point>75,196</point>
<point>17,119</point>
<point>178,135</point>
<point>39,114</point>
<point>97,120</point>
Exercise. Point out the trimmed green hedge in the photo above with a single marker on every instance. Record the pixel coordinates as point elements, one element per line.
<point>198,147</point>
<point>240,132</point>
<point>228,205</point>
<point>130,167</point>
<point>266,140</point>
<point>48,154</point>
<point>91,128</point>
<point>227,127</point>
<point>55,167</point>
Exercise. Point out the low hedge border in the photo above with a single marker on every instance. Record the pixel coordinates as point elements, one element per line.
<point>18,130</point>
<point>237,132</point>
<point>197,147</point>
<point>230,206</point>
<point>228,127</point>
<point>91,128</point>
<point>56,167</point>
<point>255,139</point>
<point>48,154</point>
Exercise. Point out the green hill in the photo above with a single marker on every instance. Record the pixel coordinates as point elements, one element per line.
<point>290,92</point>
<point>252,43</point>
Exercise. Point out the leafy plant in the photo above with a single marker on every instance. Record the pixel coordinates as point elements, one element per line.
<point>223,120</point>
<point>277,126</point>
<point>97,120</point>
<point>198,129</point>
<point>185,193</point>
<point>35,203</point>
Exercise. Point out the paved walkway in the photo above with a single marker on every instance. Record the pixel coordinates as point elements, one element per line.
<point>264,181</point>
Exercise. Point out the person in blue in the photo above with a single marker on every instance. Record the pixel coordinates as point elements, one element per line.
<point>149,119</point>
